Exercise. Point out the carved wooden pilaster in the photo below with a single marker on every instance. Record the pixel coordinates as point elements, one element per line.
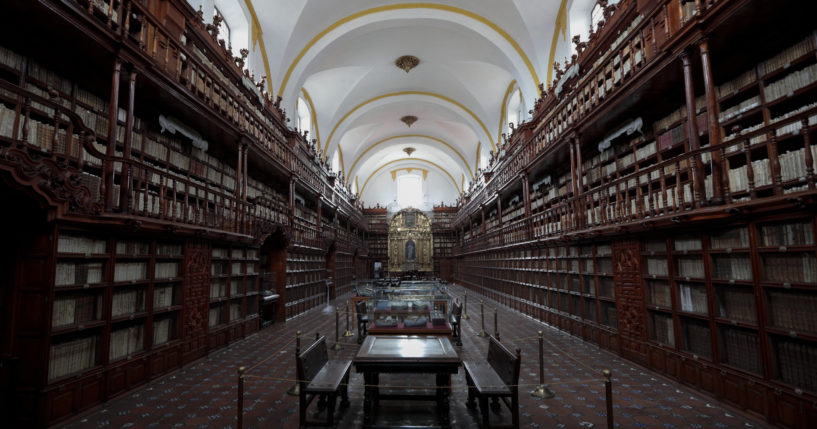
<point>196,299</point>
<point>632,323</point>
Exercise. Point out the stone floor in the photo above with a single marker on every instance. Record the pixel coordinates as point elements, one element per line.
<point>203,395</point>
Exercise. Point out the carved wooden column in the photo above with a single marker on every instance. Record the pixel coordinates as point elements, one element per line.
<point>292,202</point>
<point>692,132</point>
<point>125,180</point>
<point>482,211</point>
<point>580,202</point>
<point>526,201</point>
<point>630,309</point>
<point>498,210</point>
<point>715,137</point>
<point>239,179</point>
<point>575,215</point>
<point>196,297</point>
<point>108,178</point>
<point>319,210</point>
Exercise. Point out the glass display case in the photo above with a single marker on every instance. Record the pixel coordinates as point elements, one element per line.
<point>412,308</point>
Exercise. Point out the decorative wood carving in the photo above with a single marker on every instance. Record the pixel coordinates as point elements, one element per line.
<point>55,181</point>
<point>196,298</point>
<point>629,289</point>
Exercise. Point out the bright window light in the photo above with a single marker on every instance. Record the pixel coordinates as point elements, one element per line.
<point>409,191</point>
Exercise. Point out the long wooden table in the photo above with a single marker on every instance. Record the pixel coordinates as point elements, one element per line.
<point>406,354</point>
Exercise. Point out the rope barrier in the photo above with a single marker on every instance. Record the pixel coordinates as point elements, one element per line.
<point>464,386</point>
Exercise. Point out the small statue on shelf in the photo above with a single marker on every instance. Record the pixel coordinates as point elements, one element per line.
<point>580,46</point>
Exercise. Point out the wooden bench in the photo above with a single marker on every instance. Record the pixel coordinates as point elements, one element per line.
<point>496,378</point>
<point>362,315</point>
<point>454,319</point>
<point>322,378</point>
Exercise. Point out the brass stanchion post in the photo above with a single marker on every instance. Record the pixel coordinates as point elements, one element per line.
<point>240,423</point>
<point>482,316</point>
<point>608,392</point>
<point>465,307</point>
<point>337,345</point>
<point>348,332</point>
<point>542,391</point>
<point>295,390</point>
<point>496,325</point>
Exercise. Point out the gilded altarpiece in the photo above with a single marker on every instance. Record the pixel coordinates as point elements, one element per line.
<point>410,242</point>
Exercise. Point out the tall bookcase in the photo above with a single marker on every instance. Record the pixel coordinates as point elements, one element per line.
<point>234,289</point>
<point>305,281</point>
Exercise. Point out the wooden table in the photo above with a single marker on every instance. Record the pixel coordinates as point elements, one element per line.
<point>407,354</point>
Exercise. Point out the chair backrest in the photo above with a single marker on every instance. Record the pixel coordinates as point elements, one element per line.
<point>456,310</point>
<point>311,360</point>
<point>505,363</point>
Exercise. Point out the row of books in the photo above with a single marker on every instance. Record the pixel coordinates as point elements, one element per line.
<point>662,328</point>
<point>79,244</point>
<point>216,315</point>
<point>75,309</point>
<point>785,57</point>
<point>657,266</point>
<point>791,83</point>
<point>132,247</point>
<point>731,267</point>
<point>687,243</point>
<point>693,298</point>
<point>790,267</point>
<point>733,86</point>
<point>235,310</point>
<point>309,277</point>
<point>795,363</point>
<point>78,273</point>
<point>72,356</point>
<point>793,310</point>
<point>163,296</point>
<point>689,267</point>
<point>733,238</point>
<point>166,270</point>
<point>796,233</point>
<point>609,316</point>
<point>129,271</point>
<point>163,330</point>
<point>739,177</point>
<point>741,349</point>
<point>737,303</point>
<point>739,109</point>
<point>127,302</point>
<point>696,337</point>
<point>126,341</point>
<point>11,59</point>
<point>658,293</point>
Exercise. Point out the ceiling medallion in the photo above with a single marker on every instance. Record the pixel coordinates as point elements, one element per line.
<point>408,120</point>
<point>407,62</point>
<point>409,150</point>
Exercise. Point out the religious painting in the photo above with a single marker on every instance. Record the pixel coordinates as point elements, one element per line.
<point>410,254</point>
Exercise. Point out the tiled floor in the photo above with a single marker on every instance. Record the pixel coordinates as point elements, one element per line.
<point>204,394</point>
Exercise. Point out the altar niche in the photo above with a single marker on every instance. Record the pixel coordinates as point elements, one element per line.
<point>410,242</point>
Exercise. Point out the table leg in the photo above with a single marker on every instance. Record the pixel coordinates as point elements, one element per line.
<point>443,400</point>
<point>368,406</point>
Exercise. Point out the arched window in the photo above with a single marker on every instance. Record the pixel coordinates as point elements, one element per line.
<point>336,162</point>
<point>514,110</point>
<point>304,117</point>
<point>410,190</point>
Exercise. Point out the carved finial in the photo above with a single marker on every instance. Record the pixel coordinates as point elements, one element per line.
<point>407,62</point>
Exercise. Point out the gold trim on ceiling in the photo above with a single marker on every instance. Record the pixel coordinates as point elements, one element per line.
<point>476,164</point>
<point>410,159</point>
<point>504,113</point>
<point>406,6</point>
<point>257,38</point>
<point>397,94</point>
<point>559,26</point>
<point>359,157</point>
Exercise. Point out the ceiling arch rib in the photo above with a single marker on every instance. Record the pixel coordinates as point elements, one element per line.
<point>409,137</point>
<point>418,149</point>
<point>407,162</point>
<point>524,70</point>
<point>363,108</point>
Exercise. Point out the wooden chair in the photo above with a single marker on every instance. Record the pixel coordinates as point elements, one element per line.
<point>495,378</point>
<point>361,313</point>
<point>454,319</point>
<point>321,378</point>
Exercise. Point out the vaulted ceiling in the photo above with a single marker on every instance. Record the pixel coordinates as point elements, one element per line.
<point>339,58</point>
